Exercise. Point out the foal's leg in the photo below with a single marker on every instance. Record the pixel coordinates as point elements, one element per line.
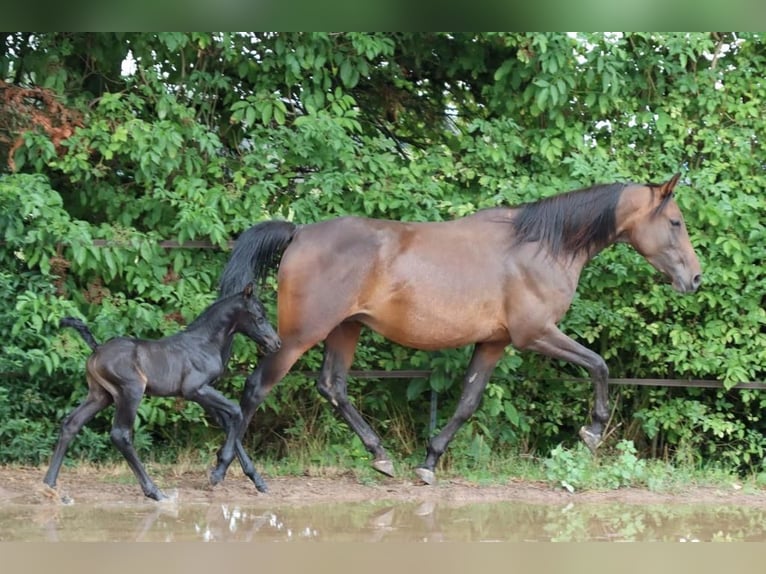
<point>126,408</point>
<point>338,354</point>
<point>485,357</point>
<point>269,372</point>
<point>556,344</point>
<point>96,401</point>
<point>227,414</point>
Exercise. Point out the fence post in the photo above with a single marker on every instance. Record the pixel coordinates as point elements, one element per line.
<point>434,408</point>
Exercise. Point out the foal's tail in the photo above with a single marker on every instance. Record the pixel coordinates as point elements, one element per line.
<point>257,250</point>
<point>81,328</point>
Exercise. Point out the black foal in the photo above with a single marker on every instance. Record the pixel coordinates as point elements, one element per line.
<point>185,364</point>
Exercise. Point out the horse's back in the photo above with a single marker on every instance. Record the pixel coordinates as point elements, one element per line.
<point>422,284</point>
<point>144,362</point>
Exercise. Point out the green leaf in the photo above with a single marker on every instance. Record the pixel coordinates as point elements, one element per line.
<point>415,388</point>
<point>266,112</point>
<point>349,75</point>
<point>249,116</point>
<point>511,414</point>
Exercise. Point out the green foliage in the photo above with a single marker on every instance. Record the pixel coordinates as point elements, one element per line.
<point>196,136</point>
<point>576,469</point>
<point>716,428</point>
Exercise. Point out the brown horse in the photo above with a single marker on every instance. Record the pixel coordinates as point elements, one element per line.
<point>502,276</point>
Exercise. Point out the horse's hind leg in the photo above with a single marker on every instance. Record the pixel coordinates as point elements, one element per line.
<point>96,401</point>
<point>269,372</point>
<point>338,355</point>
<point>229,416</point>
<point>485,357</point>
<point>126,408</point>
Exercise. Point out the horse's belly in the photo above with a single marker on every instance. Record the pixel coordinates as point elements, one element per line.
<point>432,328</point>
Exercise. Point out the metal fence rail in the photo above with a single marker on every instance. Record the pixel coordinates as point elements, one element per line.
<point>685,383</point>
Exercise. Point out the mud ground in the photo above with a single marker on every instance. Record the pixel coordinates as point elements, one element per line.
<point>116,485</point>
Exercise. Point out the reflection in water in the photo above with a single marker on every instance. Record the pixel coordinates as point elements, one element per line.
<point>426,522</point>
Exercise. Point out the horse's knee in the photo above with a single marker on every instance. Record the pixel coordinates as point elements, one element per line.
<point>68,428</point>
<point>120,437</point>
<point>232,420</point>
<point>254,384</point>
<point>253,395</point>
<point>326,390</point>
<point>600,371</point>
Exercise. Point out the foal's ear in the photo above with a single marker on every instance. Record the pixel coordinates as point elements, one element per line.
<point>248,291</point>
<point>667,188</point>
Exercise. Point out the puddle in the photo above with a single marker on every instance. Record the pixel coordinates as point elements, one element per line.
<point>382,522</point>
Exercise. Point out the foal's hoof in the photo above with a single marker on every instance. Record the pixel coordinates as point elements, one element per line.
<point>260,484</point>
<point>427,476</point>
<point>169,499</point>
<point>158,495</point>
<point>591,440</point>
<point>52,493</point>
<point>215,477</point>
<point>384,466</point>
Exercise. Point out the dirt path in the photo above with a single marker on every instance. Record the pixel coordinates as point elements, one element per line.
<point>93,485</point>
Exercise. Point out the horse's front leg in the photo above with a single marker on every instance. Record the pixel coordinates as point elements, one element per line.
<point>557,345</point>
<point>229,416</point>
<point>485,357</point>
<point>269,372</point>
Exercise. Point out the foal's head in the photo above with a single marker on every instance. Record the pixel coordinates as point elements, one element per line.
<point>253,322</point>
<point>651,221</point>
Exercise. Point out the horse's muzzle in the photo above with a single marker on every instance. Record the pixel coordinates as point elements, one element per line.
<point>696,282</point>
<point>272,344</point>
<point>690,286</point>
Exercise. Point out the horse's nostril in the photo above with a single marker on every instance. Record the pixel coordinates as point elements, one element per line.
<point>696,280</point>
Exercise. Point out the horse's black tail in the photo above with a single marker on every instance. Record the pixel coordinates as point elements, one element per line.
<point>81,328</point>
<point>257,250</point>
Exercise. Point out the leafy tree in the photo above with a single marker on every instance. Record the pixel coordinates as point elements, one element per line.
<point>112,143</point>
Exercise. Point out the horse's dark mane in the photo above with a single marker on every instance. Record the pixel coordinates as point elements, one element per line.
<point>572,222</point>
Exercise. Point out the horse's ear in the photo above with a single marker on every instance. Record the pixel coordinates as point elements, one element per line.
<point>248,291</point>
<point>667,188</point>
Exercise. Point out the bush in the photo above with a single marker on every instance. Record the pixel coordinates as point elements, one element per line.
<point>214,132</point>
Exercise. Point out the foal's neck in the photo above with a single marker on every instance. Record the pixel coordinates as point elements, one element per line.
<point>216,322</point>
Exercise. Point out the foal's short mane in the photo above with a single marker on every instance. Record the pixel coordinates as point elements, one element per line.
<point>211,311</point>
<point>572,222</point>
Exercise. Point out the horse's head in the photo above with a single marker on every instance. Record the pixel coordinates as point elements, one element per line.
<point>651,221</point>
<point>255,324</point>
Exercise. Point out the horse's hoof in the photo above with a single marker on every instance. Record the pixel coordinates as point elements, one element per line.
<point>427,476</point>
<point>591,440</point>
<point>257,480</point>
<point>159,496</point>
<point>169,499</point>
<point>260,486</point>
<point>384,466</point>
<point>215,478</point>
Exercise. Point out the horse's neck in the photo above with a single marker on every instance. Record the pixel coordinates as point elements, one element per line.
<point>218,329</point>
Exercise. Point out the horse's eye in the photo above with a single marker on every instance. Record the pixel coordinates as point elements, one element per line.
<point>675,222</point>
